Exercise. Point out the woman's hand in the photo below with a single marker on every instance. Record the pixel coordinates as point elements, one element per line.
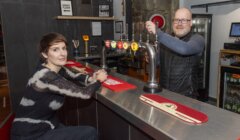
<point>101,75</point>
<point>81,70</point>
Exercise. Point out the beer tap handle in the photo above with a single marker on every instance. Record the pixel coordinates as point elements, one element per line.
<point>140,37</point>
<point>156,36</point>
<point>121,31</point>
<point>126,30</point>
<point>147,38</point>
<point>133,32</point>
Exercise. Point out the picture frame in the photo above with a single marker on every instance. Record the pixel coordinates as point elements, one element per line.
<point>96,28</point>
<point>66,7</point>
<point>104,10</point>
<point>118,26</point>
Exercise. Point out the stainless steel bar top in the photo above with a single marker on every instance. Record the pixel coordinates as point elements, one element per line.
<point>98,56</point>
<point>221,125</point>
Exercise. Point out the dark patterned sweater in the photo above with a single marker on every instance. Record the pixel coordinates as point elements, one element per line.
<point>179,62</point>
<point>44,95</point>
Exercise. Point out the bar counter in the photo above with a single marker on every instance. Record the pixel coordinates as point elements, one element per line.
<point>89,57</point>
<point>145,122</point>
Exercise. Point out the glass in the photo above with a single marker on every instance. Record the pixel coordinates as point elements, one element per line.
<point>76,45</point>
<point>183,21</point>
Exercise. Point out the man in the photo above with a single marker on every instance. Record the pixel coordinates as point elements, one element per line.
<point>179,54</point>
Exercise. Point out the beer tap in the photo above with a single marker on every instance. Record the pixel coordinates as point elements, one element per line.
<point>126,43</point>
<point>103,54</point>
<point>132,32</point>
<point>86,39</point>
<point>140,32</point>
<point>147,38</point>
<point>134,45</point>
<point>120,42</point>
<point>156,36</point>
<point>152,85</point>
<point>126,30</point>
<point>121,32</point>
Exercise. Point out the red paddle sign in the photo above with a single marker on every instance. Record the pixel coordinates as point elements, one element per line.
<point>175,109</point>
<point>157,18</point>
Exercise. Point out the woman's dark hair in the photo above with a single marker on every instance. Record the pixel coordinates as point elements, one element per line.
<point>48,40</point>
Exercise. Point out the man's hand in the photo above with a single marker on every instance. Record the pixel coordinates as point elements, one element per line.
<point>151,27</point>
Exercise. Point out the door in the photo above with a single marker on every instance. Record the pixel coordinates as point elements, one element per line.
<point>229,97</point>
<point>5,106</point>
<point>202,25</point>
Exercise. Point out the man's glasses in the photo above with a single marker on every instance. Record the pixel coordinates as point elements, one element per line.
<point>183,21</point>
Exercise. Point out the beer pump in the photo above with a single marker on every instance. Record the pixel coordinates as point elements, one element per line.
<point>85,39</point>
<point>152,85</point>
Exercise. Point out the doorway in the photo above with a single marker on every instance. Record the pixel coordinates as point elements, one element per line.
<point>5,105</point>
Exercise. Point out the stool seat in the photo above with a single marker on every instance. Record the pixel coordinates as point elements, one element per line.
<point>5,129</point>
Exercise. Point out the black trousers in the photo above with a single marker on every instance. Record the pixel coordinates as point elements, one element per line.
<point>71,133</point>
<point>63,133</point>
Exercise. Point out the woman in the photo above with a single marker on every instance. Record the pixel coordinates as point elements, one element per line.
<point>45,92</point>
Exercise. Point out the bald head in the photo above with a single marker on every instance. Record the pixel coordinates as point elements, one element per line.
<point>184,13</point>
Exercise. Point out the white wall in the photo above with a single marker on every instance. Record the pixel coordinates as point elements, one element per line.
<point>223,15</point>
